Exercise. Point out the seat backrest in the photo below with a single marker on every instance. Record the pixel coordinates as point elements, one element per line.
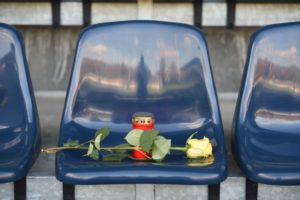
<point>141,66</point>
<point>267,118</point>
<point>19,124</point>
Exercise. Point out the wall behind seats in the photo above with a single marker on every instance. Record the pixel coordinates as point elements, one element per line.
<point>50,50</point>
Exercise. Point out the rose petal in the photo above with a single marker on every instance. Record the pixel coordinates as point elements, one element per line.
<point>194,153</point>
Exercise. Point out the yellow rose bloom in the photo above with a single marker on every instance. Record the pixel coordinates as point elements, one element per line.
<point>199,148</point>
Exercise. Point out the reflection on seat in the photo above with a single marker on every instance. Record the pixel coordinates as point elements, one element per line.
<point>267,117</point>
<point>19,125</point>
<point>138,66</point>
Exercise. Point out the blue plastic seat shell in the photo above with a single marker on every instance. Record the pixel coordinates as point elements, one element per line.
<point>171,171</point>
<point>135,66</point>
<point>19,124</point>
<point>266,124</point>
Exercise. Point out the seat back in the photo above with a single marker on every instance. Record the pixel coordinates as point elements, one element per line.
<point>141,66</point>
<point>267,118</point>
<point>19,124</point>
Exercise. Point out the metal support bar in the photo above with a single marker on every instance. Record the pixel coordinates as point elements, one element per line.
<point>267,1</point>
<point>251,190</point>
<point>238,1</point>
<point>214,192</point>
<point>173,1</point>
<point>162,1</point>
<point>20,189</point>
<point>68,191</point>
<point>55,13</point>
<point>231,13</point>
<point>87,9</point>
<point>115,1</point>
<point>198,13</point>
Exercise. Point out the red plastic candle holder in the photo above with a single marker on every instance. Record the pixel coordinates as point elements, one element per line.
<point>143,121</point>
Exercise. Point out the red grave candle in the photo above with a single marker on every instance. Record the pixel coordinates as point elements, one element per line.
<point>143,121</point>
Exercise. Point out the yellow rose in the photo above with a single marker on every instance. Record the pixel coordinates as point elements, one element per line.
<point>198,148</point>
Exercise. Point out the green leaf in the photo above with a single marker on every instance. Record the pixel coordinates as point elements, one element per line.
<point>161,148</point>
<point>133,137</point>
<point>114,157</point>
<point>71,143</point>
<point>104,131</point>
<point>90,150</point>
<point>124,145</point>
<point>191,136</point>
<point>97,141</point>
<point>94,155</point>
<point>147,139</point>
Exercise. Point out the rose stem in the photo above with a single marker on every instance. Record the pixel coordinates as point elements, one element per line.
<point>80,147</point>
<point>178,149</point>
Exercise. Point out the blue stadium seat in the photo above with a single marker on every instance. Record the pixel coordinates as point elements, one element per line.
<point>19,125</point>
<point>141,66</point>
<point>266,127</point>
